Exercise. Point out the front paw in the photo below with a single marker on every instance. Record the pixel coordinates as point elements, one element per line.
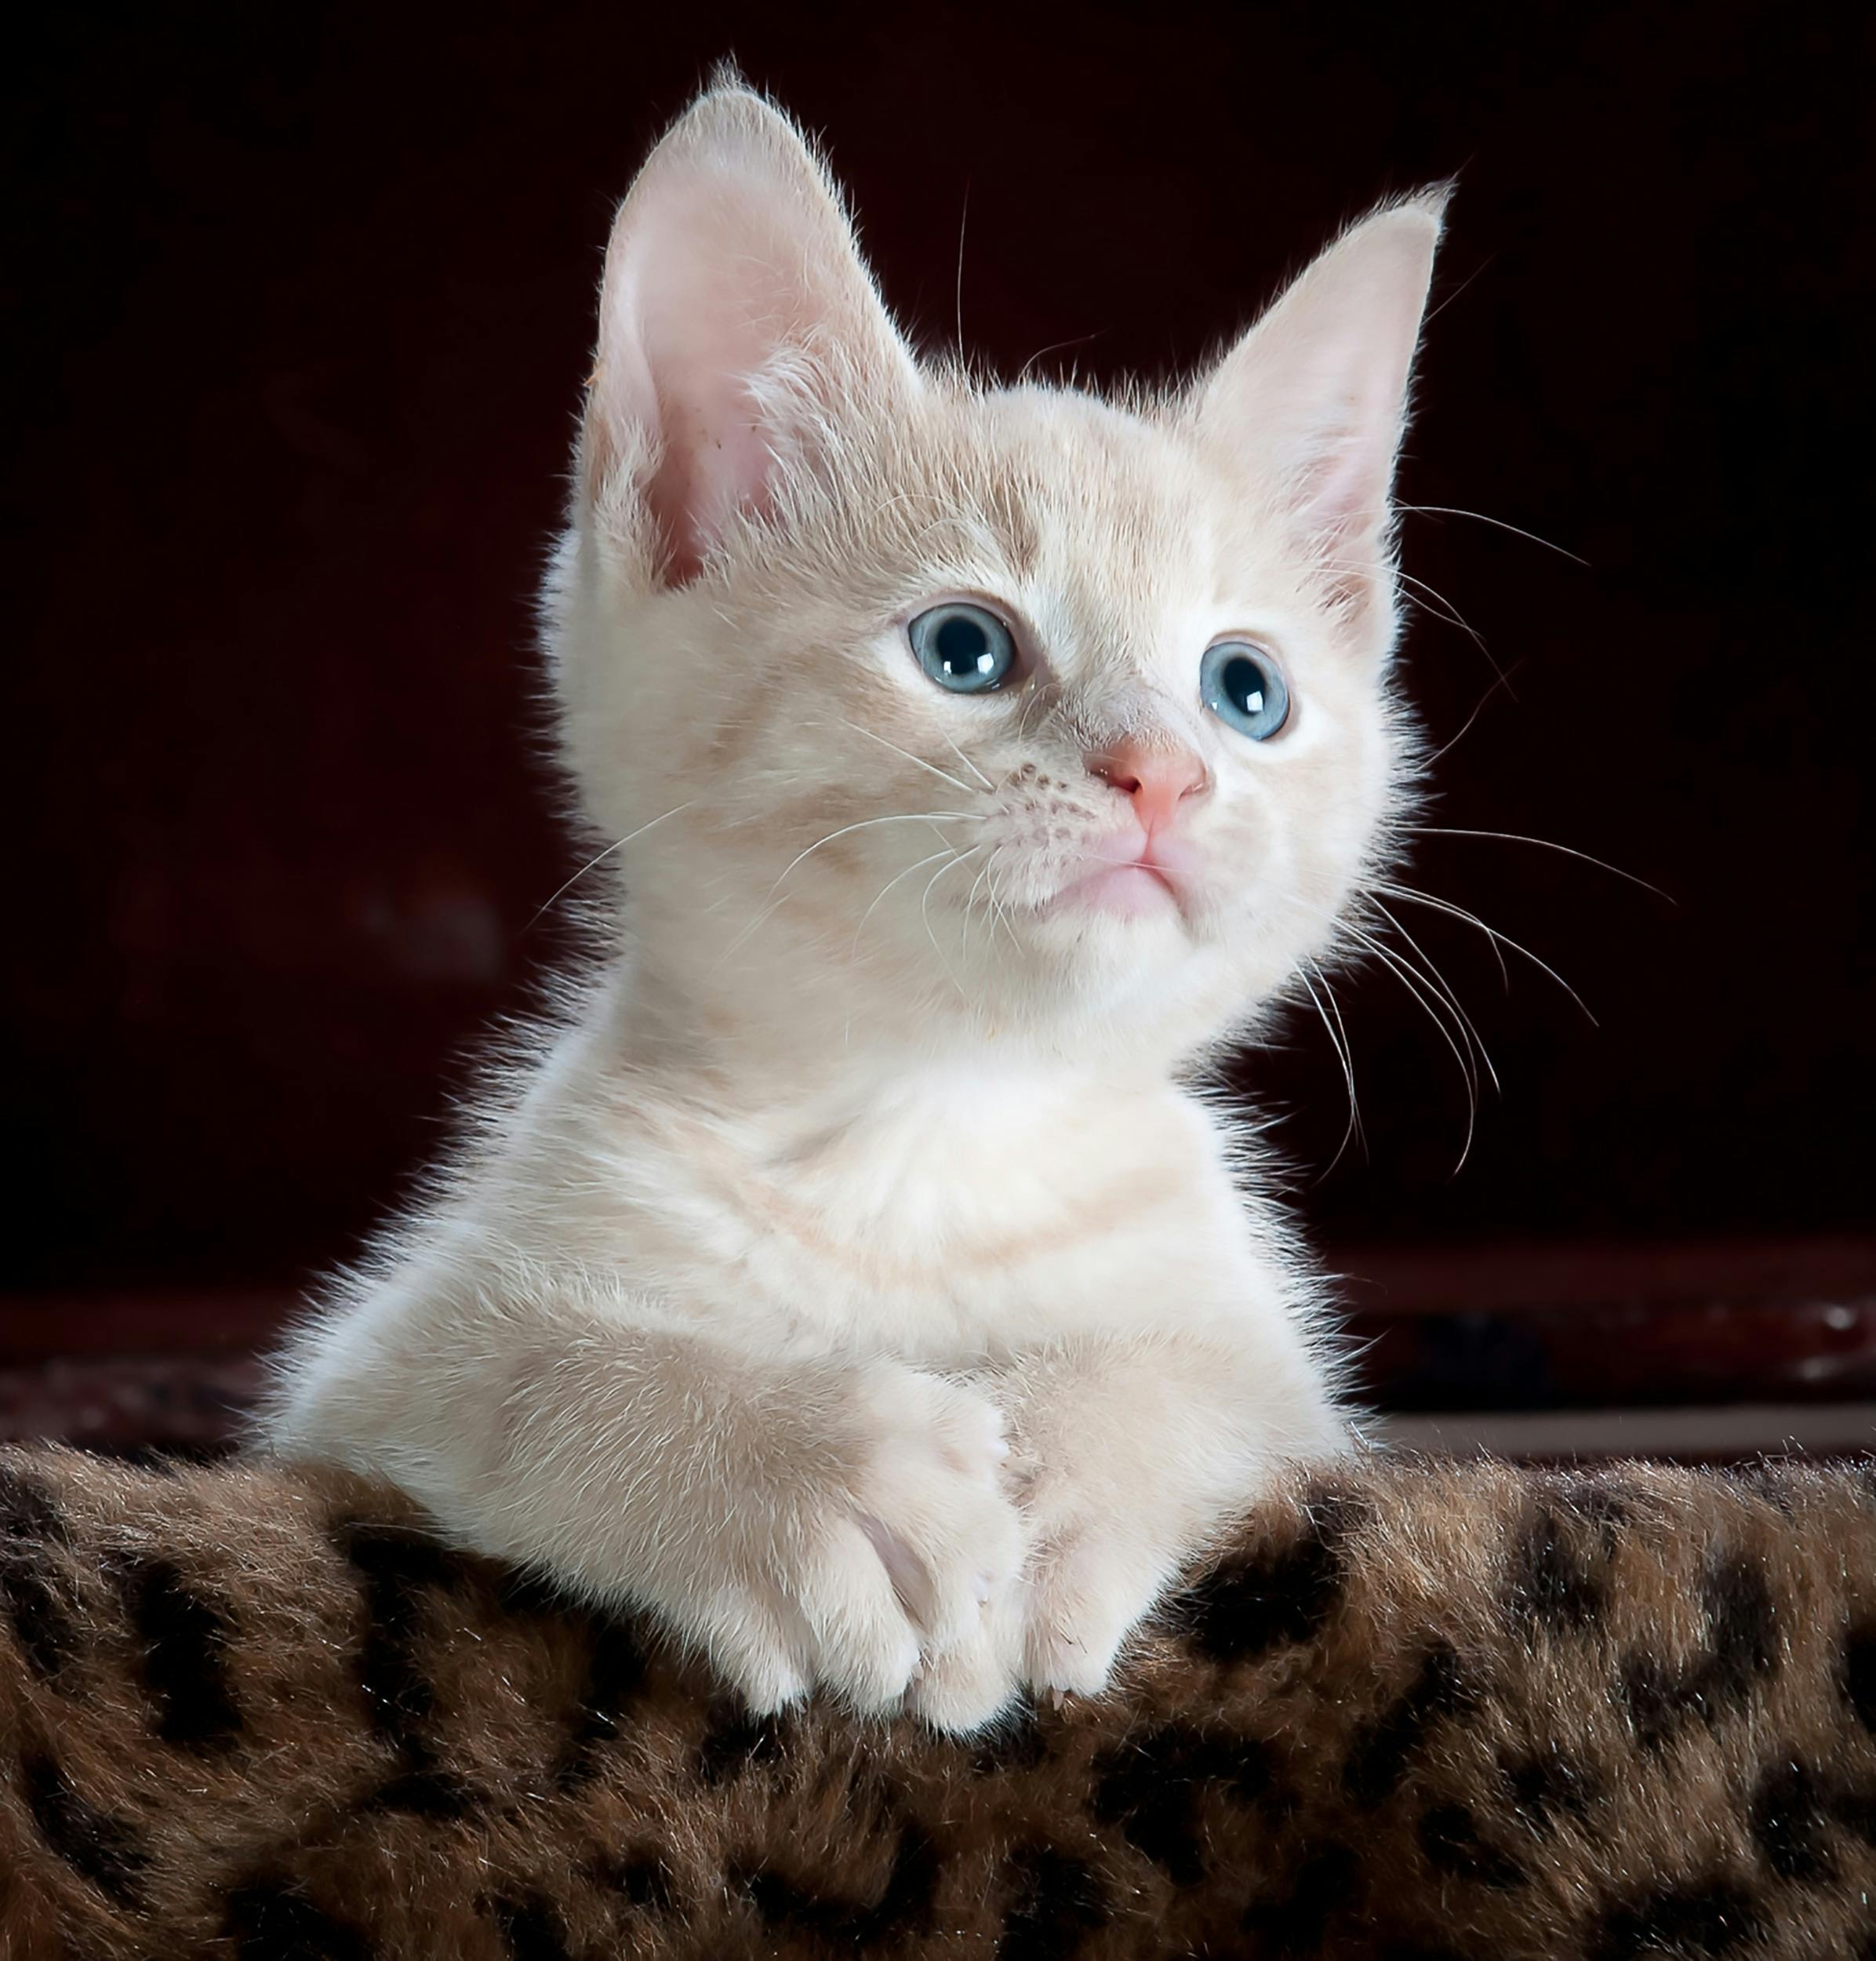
<point>888,1561</point>
<point>931,1500</point>
<point>1089,1588</point>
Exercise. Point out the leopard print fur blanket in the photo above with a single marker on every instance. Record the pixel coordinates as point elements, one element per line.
<point>1425,1710</point>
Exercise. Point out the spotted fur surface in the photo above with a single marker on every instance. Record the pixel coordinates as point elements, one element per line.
<point>1414,1710</point>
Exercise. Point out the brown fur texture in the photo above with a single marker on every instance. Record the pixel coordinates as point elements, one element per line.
<point>1422,1710</point>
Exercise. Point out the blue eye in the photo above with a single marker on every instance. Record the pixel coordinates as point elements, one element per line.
<point>1241,685</point>
<point>963,647</point>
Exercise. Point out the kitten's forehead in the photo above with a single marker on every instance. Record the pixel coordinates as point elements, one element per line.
<point>1113,513</point>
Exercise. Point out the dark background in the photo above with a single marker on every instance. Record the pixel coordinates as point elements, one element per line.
<point>299,304</point>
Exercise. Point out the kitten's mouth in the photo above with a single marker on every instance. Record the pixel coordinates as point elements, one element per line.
<point>1131,878</point>
<point>1126,891</point>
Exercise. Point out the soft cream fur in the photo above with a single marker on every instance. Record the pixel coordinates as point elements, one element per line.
<point>856,1279</point>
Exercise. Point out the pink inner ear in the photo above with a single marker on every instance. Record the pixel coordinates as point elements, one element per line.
<point>730,254</point>
<point>682,339</point>
<point>711,468</point>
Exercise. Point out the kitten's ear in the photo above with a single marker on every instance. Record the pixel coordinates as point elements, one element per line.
<point>1313,398</point>
<point>731,259</point>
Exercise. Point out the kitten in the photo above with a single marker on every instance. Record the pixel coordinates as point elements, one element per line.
<point>854,1280</point>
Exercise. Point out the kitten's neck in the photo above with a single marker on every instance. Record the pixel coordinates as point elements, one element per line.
<point>796,1060</point>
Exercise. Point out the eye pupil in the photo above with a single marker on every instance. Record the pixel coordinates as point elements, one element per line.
<point>1244,687</point>
<point>1244,680</point>
<point>964,647</point>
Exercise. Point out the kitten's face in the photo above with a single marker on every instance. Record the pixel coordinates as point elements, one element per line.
<point>1010,709</point>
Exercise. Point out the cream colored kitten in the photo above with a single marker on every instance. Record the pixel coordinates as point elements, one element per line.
<point>853,1280</point>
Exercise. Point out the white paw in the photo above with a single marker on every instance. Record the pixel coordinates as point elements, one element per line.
<point>1088,1592</point>
<point>894,1563</point>
<point>931,1502</point>
<point>961,1687</point>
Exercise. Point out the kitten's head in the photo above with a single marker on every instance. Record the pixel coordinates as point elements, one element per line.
<point>930,708</point>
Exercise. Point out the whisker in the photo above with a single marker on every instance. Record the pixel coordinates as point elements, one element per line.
<point>1408,979</point>
<point>963,217</point>
<point>1547,844</point>
<point>1352,1131</point>
<point>1497,524</point>
<point>1056,347</point>
<point>957,782</point>
<point>950,851</point>
<point>912,817</point>
<point>616,845</point>
<point>1504,682</point>
<point>924,904</point>
<point>965,760</point>
<point>1408,897</point>
<point>1438,980</point>
<point>970,899</point>
<point>770,904</point>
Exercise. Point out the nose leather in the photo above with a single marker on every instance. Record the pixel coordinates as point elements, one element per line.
<point>1157,779</point>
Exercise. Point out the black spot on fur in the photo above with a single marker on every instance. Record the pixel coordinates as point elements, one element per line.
<point>269,1921</point>
<point>38,1596</point>
<point>1017,1743</point>
<point>1326,1881</point>
<point>530,1929</point>
<point>643,1878</point>
<point>1542,1787</point>
<point>1789,1819</point>
<point>399,1567</point>
<point>1549,1585</point>
<point>1450,1837</point>
<point>27,1513</point>
<point>735,1740</point>
<point>106,1851</point>
<point>1854,1808</point>
<point>1379,1755</point>
<point>1057,1902</point>
<point>1151,1787</point>
<point>615,1672</point>
<point>1742,1623</point>
<point>1742,1628</point>
<point>1686,1921</point>
<point>526,1594</point>
<point>904,1906</point>
<point>185,1655</point>
<point>1590,1497</point>
<point>424,1793</point>
<point>1656,1699</point>
<point>1859,1674</point>
<point>1286,1593</point>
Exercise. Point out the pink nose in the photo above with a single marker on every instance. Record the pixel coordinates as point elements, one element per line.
<point>1158,780</point>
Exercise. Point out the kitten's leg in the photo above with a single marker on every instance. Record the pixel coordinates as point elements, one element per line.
<point>1135,1451</point>
<point>805,1523</point>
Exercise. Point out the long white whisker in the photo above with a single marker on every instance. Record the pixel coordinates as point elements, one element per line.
<point>912,817</point>
<point>924,903</point>
<point>618,844</point>
<point>1514,837</point>
<point>1352,1131</point>
<point>1408,979</point>
<point>965,760</point>
<point>957,782</point>
<point>1408,895</point>
<point>1497,524</point>
<point>970,899</point>
<point>950,851</point>
<point>1438,979</point>
<point>1504,682</point>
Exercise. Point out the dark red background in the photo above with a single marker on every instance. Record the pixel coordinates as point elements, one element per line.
<point>300,304</point>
